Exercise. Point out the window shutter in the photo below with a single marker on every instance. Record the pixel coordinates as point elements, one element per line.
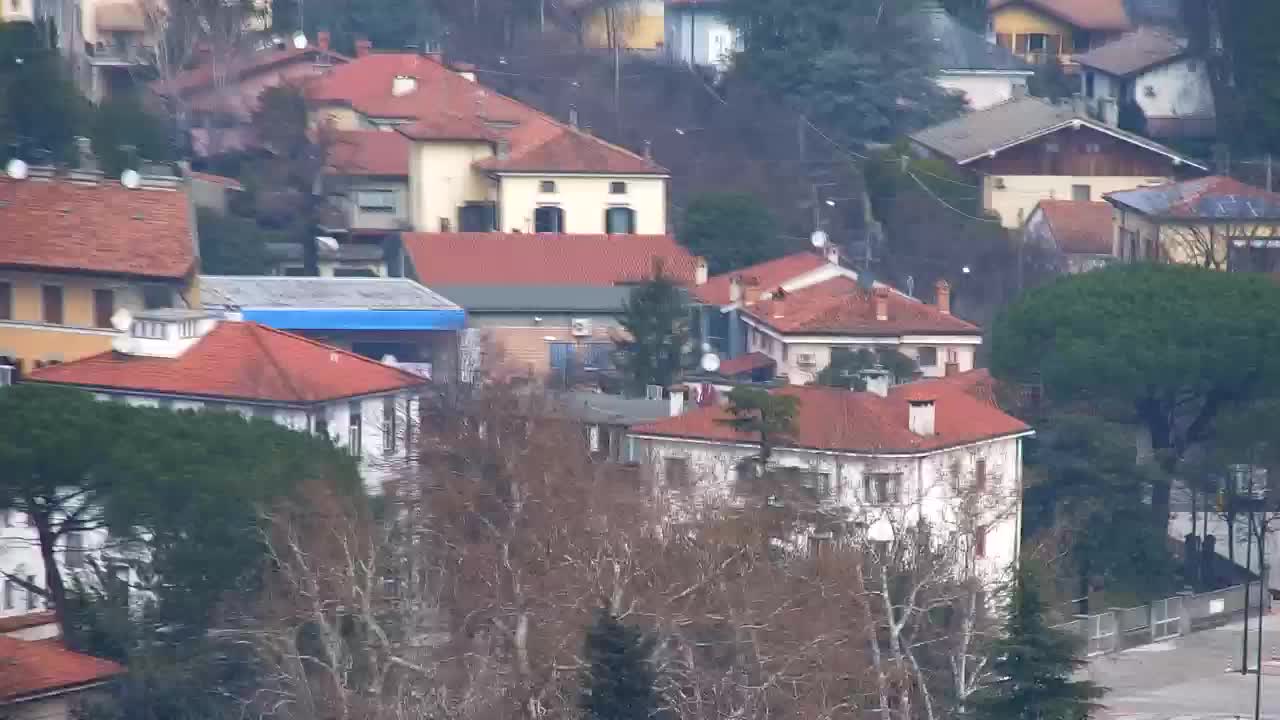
<point>1020,43</point>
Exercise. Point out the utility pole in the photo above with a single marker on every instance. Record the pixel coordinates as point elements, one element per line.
<point>1268,172</point>
<point>1262,588</point>
<point>1248,560</point>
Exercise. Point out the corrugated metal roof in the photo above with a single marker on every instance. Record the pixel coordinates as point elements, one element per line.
<point>320,293</point>
<point>957,48</point>
<point>538,298</point>
<point>611,409</point>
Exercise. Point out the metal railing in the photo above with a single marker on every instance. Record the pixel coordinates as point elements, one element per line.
<point>1166,616</point>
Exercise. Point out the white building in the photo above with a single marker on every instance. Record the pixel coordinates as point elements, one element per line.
<point>1154,70</point>
<point>916,453</point>
<point>969,64</point>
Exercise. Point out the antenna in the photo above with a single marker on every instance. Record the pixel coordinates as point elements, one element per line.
<point>710,362</point>
<point>16,169</point>
<point>122,319</point>
<point>131,179</point>
<point>818,238</point>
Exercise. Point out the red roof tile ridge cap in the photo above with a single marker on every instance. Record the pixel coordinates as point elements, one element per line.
<point>333,349</point>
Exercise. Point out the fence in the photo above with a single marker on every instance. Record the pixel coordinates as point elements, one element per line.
<point>1120,628</point>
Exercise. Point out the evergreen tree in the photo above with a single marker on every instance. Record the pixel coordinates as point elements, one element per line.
<point>620,684</point>
<point>770,416</point>
<point>731,230</point>
<point>1033,666</point>
<point>656,321</point>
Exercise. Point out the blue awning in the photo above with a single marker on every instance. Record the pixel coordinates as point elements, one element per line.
<point>355,319</point>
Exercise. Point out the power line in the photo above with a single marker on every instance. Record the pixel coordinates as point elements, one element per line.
<point>946,204</point>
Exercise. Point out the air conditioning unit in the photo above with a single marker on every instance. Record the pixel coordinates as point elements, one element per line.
<point>806,359</point>
<point>580,327</point>
<point>652,392</point>
<point>6,375</point>
<point>999,183</point>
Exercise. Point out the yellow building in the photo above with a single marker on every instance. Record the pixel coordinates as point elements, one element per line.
<point>75,249</point>
<point>630,25</point>
<point>1215,222</point>
<point>1042,30</point>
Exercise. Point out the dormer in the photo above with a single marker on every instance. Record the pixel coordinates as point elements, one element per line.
<point>167,332</point>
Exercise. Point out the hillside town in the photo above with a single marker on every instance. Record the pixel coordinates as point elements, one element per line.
<point>635,359</point>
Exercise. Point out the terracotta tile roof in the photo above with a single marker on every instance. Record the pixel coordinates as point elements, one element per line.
<point>839,307</point>
<point>442,259</point>
<point>365,85</point>
<point>226,182</point>
<point>35,667</point>
<point>1079,227</point>
<point>1134,52</point>
<point>449,126</point>
<point>370,152</point>
<point>204,74</point>
<point>238,360</point>
<point>745,363</point>
<point>847,421</point>
<point>103,227</point>
<point>14,623</point>
<point>766,275</point>
<point>1085,14</point>
<point>1216,197</point>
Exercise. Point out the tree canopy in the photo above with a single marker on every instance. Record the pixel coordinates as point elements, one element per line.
<point>730,230</point>
<point>846,365</point>
<point>656,322</point>
<point>620,682</point>
<point>770,416</point>
<point>1166,346</point>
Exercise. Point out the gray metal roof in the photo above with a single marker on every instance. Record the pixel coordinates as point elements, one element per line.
<point>542,298</point>
<point>1215,198</point>
<point>959,49</point>
<point>974,135</point>
<point>1134,52</point>
<point>610,409</point>
<point>346,251</point>
<point>269,291</point>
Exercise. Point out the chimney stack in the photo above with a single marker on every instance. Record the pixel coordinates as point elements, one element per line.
<point>833,254</point>
<point>921,415</point>
<point>942,292</point>
<point>750,294</point>
<point>779,303</point>
<point>881,296</point>
<point>735,289</point>
<point>675,400</point>
<point>322,40</point>
<point>364,46</point>
<point>573,116</point>
<point>876,379</point>
<point>700,271</point>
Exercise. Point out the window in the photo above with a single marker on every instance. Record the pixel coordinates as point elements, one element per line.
<point>75,550</point>
<point>376,201</point>
<point>1088,84</point>
<point>52,297</point>
<point>617,188</point>
<point>1081,192</point>
<point>927,356</point>
<point>156,296</point>
<point>561,354</point>
<point>6,301</point>
<point>354,428</point>
<point>478,217</point>
<point>389,425</point>
<point>598,356</point>
<point>1081,40</point>
<point>322,425</point>
<point>104,302</point>
<point>882,488</point>
<point>980,474</point>
<point>980,541</point>
<point>675,470</point>
<point>816,484</point>
<point>548,219</point>
<point>1092,148</point>
<point>547,186</point>
<point>619,221</point>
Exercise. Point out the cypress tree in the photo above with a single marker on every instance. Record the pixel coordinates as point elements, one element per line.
<point>620,681</point>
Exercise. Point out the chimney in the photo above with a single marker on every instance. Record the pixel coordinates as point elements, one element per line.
<point>876,379</point>
<point>466,71</point>
<point>833,254</point>
<point>322,40</point>
<point>648,150</point>
<point>700,271</point>
<point>881,296</point>
<point>675,400</point>
<point>942,294</point>
<point>920,416</point>
<point>86,169</point>
<point>750,294</point>
<point>951,368</point>
<point>167,332</point>
<point>735,289</point>
<point>573,116</point>
<point>364,46</point>
<point>435,55</point>
<point>779,304</point>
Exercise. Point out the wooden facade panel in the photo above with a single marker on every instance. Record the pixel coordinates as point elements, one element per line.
<point>1084,152</point>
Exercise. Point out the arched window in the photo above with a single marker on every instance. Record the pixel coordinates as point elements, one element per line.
<point>548,219</point>
<point>620,221</point>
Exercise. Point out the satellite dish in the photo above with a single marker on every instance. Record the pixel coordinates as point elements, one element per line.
<point>300,40</point>
<point>16,169</point>
<point>706,347</point>
<point>122,319</point>
<point>130,179</point>
<point>818,238</point>
<point>710,362</point>
<point>389,359</point>
<point>328,243</point>
<point>965,270</point>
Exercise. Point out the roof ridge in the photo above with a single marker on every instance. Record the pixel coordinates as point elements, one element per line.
<point>271,358</point>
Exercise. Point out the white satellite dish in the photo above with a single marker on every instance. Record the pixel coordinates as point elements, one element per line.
<point>328,243</point>
<point>389,359</point>
<point>122,319</point>
<point>16,169</point>
<point>818,238</point>
<point>710,362</point>
<point>131,179</point>
<point>300,40</point>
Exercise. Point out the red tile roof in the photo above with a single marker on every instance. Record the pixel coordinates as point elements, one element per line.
<point>1085,14</point>
<point>36,667</point>
<point>543,258</point>
<point>1079,227</point>
<point>226,182</point>
<point>839,307</point>
<point>449,126</point>
<point>848,421</point>
<point>239,361</point>
<point>369,152</point>
<point>365,85</point>
<point>745,363</point>
<point>204,74</point>
<point>103,227</point>
<point>14,623</point>
<point>767,276</point>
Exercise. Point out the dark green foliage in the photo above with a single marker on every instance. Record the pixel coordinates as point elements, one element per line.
<point>1166,345</point>
<point>39,103</point>
<point>1051,81</point>
<point>845,366</point>
<point>123,120</point>
<point>731,230</point>
<point>859,68</point>
<point>389,24</point>
<point>1032,666</point>
<point>972,13</point>
<point>769,416</point>
<point>656,322</point>
<point>233,245</point>
<point>1131,118</point>
<point>620,683</point>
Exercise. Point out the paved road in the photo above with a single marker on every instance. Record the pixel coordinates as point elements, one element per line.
<point>1191,678</point>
